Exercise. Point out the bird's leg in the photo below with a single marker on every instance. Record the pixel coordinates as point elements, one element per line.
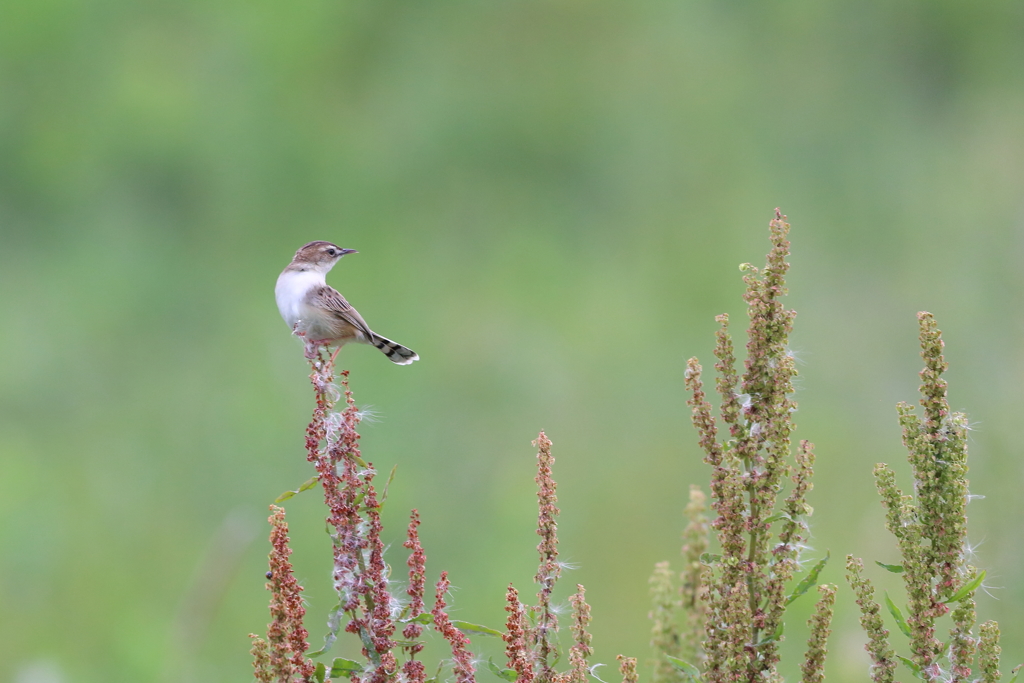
<point>335,354</point>
<point>313,347</point>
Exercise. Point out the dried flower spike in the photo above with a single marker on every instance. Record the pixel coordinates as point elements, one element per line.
<point>417,564</point>
<point>516,637</point>
<point>627,667</point>
<point>546,630</point>
<point>743,591</point>
<point>581,649</point>
<point>813,667</point>
<point>282,656</point>
<point>462,660</point>
<point>930,527</point>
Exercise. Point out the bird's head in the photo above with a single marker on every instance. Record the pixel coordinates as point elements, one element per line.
<point>319,256</point>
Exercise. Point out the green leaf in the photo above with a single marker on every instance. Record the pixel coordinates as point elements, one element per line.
<point>776,517</point>
<point>894,568</point>
<point>305,487</point>
<point>910,665</point>
<point>437,675</point>
<point>773,637</point>
<point>321,672</point>
<point>507,674</point>
<point>384,493</point>
<point>1015,672</point>
<point>688,670</point>
<point>424,618</point>
<point>710,558</point>
<point>967,588</point>
<point>809,580</point>
<point>467,627</point>
<point>898,616</point>
<point>345,667</point>
<point>333,624</point>
<point>369,647</point>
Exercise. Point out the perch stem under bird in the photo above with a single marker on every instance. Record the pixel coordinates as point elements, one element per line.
<point>318,313</point>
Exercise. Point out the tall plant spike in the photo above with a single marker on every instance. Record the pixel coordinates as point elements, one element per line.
<point>282,656</point>
<point>930,528</point>
<point>366,606</point>
<point>883,659</point>
<point>813,667</point>
<point>548,570</point>
<point>744,589</point>
<point>666,640</point>
<point>678,610</point>
<point>532,649</point>
<point>581,649</point>
<point>696,538</point>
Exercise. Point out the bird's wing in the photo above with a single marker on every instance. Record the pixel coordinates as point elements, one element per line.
<point>330,299</point>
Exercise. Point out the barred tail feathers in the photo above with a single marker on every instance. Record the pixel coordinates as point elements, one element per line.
<point>396,353</point>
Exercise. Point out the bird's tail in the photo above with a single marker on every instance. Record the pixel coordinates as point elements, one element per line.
<point>395,352</point>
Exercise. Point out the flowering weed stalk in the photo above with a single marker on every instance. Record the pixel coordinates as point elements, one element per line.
<point>931,532</point>
<point>678,610</point>
<point>531,636</point>
<point>281,657</point>
<point>740,594</point>
<point>366,607</point>
<point>359,574</point>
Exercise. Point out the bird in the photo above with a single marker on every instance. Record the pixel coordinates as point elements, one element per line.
<point>318,313</point>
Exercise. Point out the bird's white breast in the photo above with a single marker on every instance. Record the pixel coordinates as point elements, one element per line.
<point>290,292</point>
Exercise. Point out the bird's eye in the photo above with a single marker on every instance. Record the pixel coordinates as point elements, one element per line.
<point>332,251</point>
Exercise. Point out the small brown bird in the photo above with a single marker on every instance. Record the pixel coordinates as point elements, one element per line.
<point>318,313</point>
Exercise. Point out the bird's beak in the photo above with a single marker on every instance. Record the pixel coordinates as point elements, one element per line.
<point>348,251</point>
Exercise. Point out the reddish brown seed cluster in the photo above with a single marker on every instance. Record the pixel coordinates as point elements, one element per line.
<point>414,670</point>
<point>520,658</point>
<point>532,648</point>
<point>378,623</point>
<point>581,648</point>
<point>282,656</point>
<point>360,574</point>
<point>462,659</point>
<point>549,570</point>
<point>354,516</point>
<point>417,564</point>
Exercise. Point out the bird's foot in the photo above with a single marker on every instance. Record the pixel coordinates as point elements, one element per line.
<point>313,347</point>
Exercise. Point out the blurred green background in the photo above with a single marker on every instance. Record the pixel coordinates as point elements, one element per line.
<point>550,201</point>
